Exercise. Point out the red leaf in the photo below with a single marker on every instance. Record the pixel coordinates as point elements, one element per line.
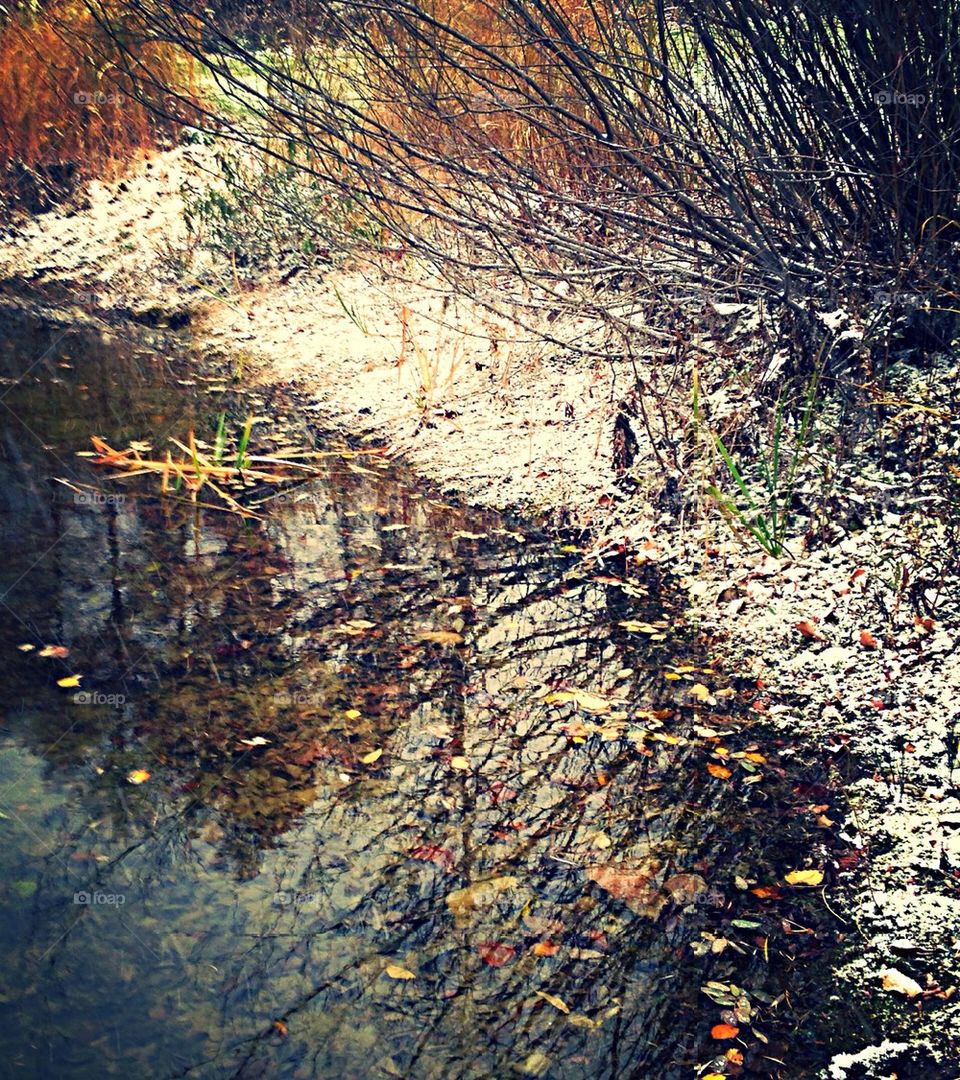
<point>443,857</point>
<point>495,953</point>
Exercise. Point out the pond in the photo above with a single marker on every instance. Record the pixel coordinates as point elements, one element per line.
<point>375,787</point>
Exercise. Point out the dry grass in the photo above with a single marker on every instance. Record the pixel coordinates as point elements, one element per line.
<point>70,105</point>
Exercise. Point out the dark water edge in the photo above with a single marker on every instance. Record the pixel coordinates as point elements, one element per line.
<point>278,899</point>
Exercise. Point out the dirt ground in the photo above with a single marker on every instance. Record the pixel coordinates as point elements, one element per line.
<point>853,641</point>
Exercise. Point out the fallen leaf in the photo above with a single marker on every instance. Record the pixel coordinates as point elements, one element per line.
<point>767,892</point>
<point>461,763</point>
<point>257,740</point>
<point>69,681</point>
<point>397,972</point>
<point>724,1031</point>
<point>374,755</point>
<point>592,703</point>
<point>443,857</point>
<point>495,953</point>
<point>545,948</point>
<point>441,637</point>
<point>554,1001</point>
<point>138,776</point>
<point>719,771</point>
<point>898,983</point>
<point>685,888</point>
<point>480,895</point>
<point>58,652</point>
<point>535,1065</point>
<point>634,884</point>
<point>809,630</point>
<point>804,877</point>
<point>700,692</point>
<point>868,641</point>
<point>26,647</point>
<point>280,1028</point>
<point>352,714</point>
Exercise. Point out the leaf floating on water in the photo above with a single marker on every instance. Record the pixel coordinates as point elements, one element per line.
<point>394,528</point>
<point>374,755</point>
<point>26,647</point>
<point>58,652</point>
<point>441,637</point>
<point>443,857</point>
<point>69,681</point>
<point>257,740</point>
<point>634,884</point>
<point>462,534</point>
<point>495,953</point>
<point>360,624</point>
<point>804,877</point>
<point>724,1031</point>
<point>280,1028</point>
<point>897,983</point>
<point>353,714</point>
<point>535,1065</point>
<point>591,703</point>
<point>138,776</point>
<point>482,894</point>
<point>767,892</point>
<point>395,971</point>
<point>545,948</point>
<point>460,763</point>
<point>721,772</point>
<point>685,888</point>
<point>556,1002</point>
<point>699,692</point>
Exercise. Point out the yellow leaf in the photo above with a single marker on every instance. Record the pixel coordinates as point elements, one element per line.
<point>26,648</point>
<point>374,755</point>
<point>757,759</point>
<point>352,714</point>
<point>69,681</point>
<point>700,692</point>
<point>672,676</point>
<point>804,877</point>
<point>138,776</point>
<point>460,763</point>
<point>591,703</point>
<point>554,1001</point>
<point>721,772</point>
<point>397,972</point>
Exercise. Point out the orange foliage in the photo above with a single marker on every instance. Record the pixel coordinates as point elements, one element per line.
<point>68,106</point>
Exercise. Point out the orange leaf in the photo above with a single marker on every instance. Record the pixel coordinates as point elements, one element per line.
<point>868,641</point>
<point>809,630</point>
<point>280,1028</point>
<point>721,772</point>
<point>767,892</point>
<point>724,1031</point>
<point>545,948</point>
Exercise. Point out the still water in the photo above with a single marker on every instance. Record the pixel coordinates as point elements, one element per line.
<point>324,800</point>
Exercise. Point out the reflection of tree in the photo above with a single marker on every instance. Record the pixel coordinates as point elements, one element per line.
<point>273,874</point>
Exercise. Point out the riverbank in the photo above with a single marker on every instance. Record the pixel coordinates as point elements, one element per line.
<point>851,640</point>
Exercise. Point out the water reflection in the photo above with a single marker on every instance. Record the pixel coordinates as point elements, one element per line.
<point>312,810</point>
